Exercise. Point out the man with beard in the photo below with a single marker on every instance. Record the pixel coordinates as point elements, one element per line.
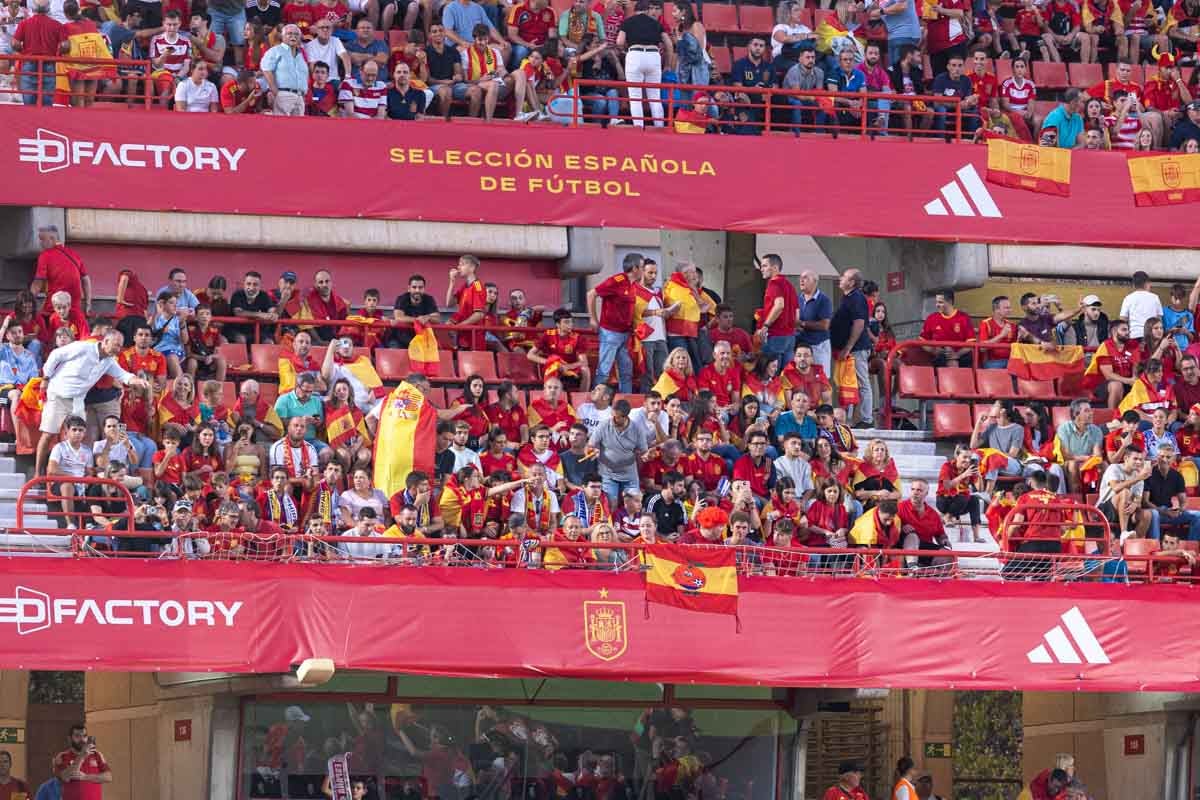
<point>1113,364</point>
<point>81,765</point>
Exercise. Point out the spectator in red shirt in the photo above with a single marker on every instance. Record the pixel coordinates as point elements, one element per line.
<point>921,525</point>
<point>241,96</point>
<point>324,304</point>
<point>946,34</point>
<point>756,467</point>
<point>614,322</point>
<point>948,324</point>
<point>848,786</point>
<point>60,269</point>
<point>471,299</point>
<point>725,331</point>
<point>81,767</point>
<point>723,378</point>
<point>529,26</point>
<point>1164,95</point>
<point>781,307</point>
<point>38,35</point>
<point>997,329</point>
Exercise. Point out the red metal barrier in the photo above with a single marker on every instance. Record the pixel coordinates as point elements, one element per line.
<point>762,105</point>
<point>48,488</point>
<point>129,82</point>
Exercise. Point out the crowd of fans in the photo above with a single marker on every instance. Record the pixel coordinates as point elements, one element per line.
<point>664,422</point>
<point>333,57</point>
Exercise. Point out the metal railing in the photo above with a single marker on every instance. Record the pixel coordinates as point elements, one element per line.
<point>767,110</point>
<point>119,80</point>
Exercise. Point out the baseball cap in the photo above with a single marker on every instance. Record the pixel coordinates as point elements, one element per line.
<point>849,766</point>
<point>1194,105</point>
<point>1092,300</point>
<point>295,714</point>
<point>289,276</point>
<point>701,97</point>
<point>182,505</point>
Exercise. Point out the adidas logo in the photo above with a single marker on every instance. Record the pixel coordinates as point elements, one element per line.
<point>960,206</point>
<point>1062,651</point>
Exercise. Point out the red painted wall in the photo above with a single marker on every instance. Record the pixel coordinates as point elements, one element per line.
<point>352,273</point>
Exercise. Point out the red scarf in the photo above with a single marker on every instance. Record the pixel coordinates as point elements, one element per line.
<point>534,520</point>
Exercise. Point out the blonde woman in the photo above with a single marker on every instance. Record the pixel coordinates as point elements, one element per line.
<point>790,28</point>
<point>603,533</point>
<point>677,378</point>
<point>876,478</point>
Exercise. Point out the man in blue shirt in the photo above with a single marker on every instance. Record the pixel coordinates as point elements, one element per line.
<point>816,309</point>
<point>752,71</point>
<point>1067,119</point>
<point>460,17</point>
<point>903,27</point>
<point>177,285</point>
<point>845,78</point>
<point>847,335</point>
<point>953,83</point>
<point>365,47</point>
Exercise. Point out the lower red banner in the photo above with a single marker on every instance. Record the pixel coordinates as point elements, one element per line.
<point>196,616</point>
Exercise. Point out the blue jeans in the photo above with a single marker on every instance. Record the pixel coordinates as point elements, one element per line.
<point>145,448</point>
<point>612,348</point>
<point>943,119</point>
<point>802,108</point>
<point>614,488</point>
<point>29,83</point>
<point>231,26</point>
<point>995,363</point>
<point>606,107</point>
<point>783,348</point>
<point>880,120</point>
<point>894,45</point>
<point>519,51</point>
<point>1189,518</point>
<point>728,452</point>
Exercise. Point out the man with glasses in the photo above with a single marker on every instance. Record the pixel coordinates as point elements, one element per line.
<point>329,49</point>
<point>176,284</point>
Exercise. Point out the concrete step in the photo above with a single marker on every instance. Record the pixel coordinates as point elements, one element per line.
<point>922,464</point>
<point>902,447</point>
<point>12,480</point>
<point>978,567</point>
<point>894,436</point>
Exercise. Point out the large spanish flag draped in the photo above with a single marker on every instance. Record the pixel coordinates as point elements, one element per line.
<point>685,321</point>
<point>1029,166</point>
<point>1165,180</point>
<point>669,383</point>
<point>405,439</point>
<point>1032,362</point>
<point>423,350</point>
<point>696,578</point>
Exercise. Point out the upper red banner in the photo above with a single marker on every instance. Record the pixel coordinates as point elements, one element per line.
<point>468,172</point>
<point>247,617</point>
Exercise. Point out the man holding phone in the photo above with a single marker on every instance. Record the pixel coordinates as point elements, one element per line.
<point>81,767</point>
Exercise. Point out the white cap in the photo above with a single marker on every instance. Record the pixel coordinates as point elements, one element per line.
<point>295,714</point>
<point>1092,300</point>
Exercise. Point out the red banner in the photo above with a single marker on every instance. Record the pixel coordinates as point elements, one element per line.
<point>245,617</point>
<point>468,172</point>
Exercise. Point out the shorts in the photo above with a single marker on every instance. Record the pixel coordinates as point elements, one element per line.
<point>164,80</point>
<point>1030,43</point>
<point>55,413</point>
<point>231,26</point>
<point>459,92</point>
<point>318,445</point>
<point>1146,41</point>
<point>1107,40</point>
<point>357,6</point>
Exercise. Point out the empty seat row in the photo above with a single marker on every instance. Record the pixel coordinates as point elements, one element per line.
<point>966,383</point>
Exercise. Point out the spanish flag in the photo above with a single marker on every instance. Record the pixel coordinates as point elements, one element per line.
<point>30,404</point>
<point>1092,377</point>
<point>1031,362</point>
<point>1089,470</point>
<point>685,321</point>
<point>830,28</point>
<point>405,439</point>
<point>423,350</point>
<point>991,460</point>
<point>344,423</point>
<point>1145,398</point>
<point>361,375</point>
<point>692,577</point>
<point>1027,166</point>
<point>671,383</point>
<point>171,410</point>
<point>1165,180</point>
<point>846,378</point>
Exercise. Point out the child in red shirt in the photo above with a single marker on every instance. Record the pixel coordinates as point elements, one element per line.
<point>169,463</point>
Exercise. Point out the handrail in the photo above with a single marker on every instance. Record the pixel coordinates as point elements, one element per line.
<point>122,66</point>
<point>897,349</point>
<point>1076,515</point>
<point>776,99</point>
<point>75,517</point>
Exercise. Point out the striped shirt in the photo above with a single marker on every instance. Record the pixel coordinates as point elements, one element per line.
<point>178,53</point>
<point>368,100</point>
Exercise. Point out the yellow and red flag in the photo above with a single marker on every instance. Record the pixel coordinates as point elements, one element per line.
<point>685,321</point>
<point>423,350</point>
<point>343,424</point>
<point>991,460</point>
<point>669,383</point>
<point>693,577</point>
<point>405,439</point>
<point>1032,362</point>
<point>32,400</point>
<point>1018,165</point>
<point>846,378</point>
<point>1165,180</point>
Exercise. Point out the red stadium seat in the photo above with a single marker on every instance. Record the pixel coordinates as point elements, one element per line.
<point>722,59</point>
<point>927,68</point>
<point>808,17</point>
<point>517,368</point>
<point>978,410</point>
<point>477,362</point>
<point>994,384</point>
<point>228,394</point>
<point>757,19</point>
<point>264,359</point>
<point>446,371</point>
<point>1103,416</point>
<point>634,400</point>
<point>576,399</point>
<point>236,359</point>
<point>1139,547</point>
<point>1003,69</point>
<point>392,364</point>
<point>269,392</point>
<point>719,18</point>
<point>917,382</point>
<point>951,420</point>
<point>1085,75</point>
<point>1059,415</point>
<point>1041,390</point>
<point>1138,75</point>
<point>397,38</point>
<point>1050,74</point>
<point>957,383</point>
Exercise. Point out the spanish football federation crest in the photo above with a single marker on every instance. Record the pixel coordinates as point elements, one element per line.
<point>605,631</point>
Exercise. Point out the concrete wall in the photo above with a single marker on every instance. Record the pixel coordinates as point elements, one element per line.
<point>1047,261</point>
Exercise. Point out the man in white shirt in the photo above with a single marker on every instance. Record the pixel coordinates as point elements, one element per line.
<point>463,455</point>
<point>792,464</point>
<point>1122,498</point>
<point>71,371</point>
<point>328,48</point>
<point>654,346</point>
<point>1140,305</point>
<point>652,418</point>
<point>598,409</point>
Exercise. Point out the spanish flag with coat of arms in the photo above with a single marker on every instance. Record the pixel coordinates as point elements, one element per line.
<point>1165,180</point>
<point>1018,165</point>
<point>1033,362</point>
<point>405,439</point>
<point>691,577</point>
